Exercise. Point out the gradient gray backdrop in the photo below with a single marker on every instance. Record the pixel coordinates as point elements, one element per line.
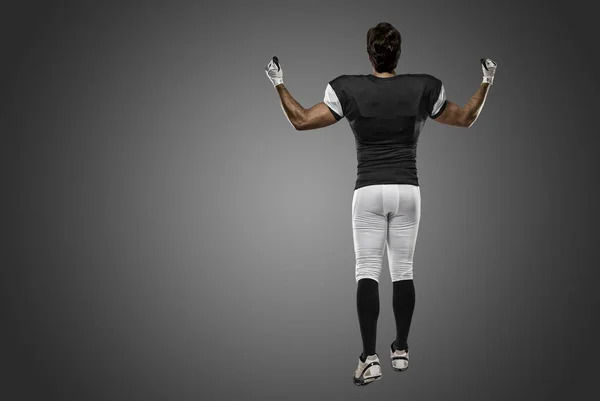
<point>169,236</point>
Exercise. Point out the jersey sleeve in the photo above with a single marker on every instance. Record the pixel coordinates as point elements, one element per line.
<point>435,96</point>
<point>333,98</point>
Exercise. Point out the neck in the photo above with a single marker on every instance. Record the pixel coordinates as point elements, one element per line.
<point>384,74</point>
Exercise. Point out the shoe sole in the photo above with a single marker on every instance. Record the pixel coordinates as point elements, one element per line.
<point>399,370</point>
<point>370,380</point>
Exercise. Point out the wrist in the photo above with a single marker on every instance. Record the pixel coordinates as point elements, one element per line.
<point>488,80</point>
<point>277,82</point>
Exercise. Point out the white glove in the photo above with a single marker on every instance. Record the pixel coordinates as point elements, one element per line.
<point>274,72</point>
<point>488,66</point>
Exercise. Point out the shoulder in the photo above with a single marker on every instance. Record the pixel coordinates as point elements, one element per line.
<point>347,81</point>
<point>427,83</point>
<point>431,82</point>
<point>349,77</point>
<point>425,78</point>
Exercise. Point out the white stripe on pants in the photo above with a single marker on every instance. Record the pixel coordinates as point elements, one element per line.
<point>385,214</point>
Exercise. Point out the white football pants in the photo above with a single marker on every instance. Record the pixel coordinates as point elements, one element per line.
<point>385,214</point>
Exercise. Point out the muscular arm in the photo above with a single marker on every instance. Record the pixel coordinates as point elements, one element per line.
<point>318,116</point>
<point>465,116</point>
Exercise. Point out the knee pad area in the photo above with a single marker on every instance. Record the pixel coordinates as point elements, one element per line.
<point>365,272</point>
<point>368,267</point>
<point>401,271</point>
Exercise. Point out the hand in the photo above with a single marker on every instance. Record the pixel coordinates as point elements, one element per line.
<point>274,72</point>
<point>488,66</point>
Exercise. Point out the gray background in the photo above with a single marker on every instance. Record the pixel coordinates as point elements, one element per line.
<point>169,236</point>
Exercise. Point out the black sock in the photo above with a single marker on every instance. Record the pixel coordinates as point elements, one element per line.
<point>404,305</point>
<point>367,303</point>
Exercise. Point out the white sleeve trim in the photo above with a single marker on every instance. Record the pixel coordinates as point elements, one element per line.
<point>332,101</point>
<point>440,101</point>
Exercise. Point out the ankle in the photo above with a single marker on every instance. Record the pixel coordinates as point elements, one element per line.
<point>363,356</point>
<point>396,347</point>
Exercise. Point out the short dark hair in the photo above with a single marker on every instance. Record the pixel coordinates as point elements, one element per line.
<point>384,47</point>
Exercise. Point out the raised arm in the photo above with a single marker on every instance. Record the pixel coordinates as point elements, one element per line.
<point>466,116</point>
<point>318,116</point>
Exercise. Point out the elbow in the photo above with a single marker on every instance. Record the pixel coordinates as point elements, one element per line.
<point>298,126</point>
<point>468,121</point>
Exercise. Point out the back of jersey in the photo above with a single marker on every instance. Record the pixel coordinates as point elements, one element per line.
<point>386,116</point>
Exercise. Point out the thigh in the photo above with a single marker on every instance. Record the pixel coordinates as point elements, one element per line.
<point>369,225</point>
<point>403,225</point>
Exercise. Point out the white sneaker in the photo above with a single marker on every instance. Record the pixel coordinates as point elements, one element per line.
<point>399,360</point>
<point>367,371</point>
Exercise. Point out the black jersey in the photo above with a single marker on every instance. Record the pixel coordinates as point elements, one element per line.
<point>386,116</point>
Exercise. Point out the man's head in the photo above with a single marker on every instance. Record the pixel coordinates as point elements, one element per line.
<point>384,46</point>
